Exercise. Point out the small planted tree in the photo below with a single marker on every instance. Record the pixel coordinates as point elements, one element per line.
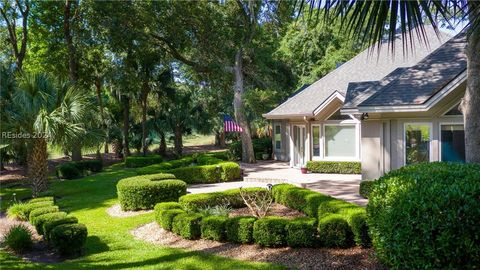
<point>259,203</point>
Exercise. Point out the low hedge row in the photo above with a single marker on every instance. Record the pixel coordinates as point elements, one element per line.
<point>194,202</point>
<point>62,231</point>
<point>145,191</point>
<point>142,161</point>
<point>76,169</point>
<point>343,167</point>
<point>222,172</point>
<point>320,206</point>
<point>166,165</point>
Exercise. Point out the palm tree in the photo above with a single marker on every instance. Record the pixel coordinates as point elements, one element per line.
<point>373,20</point>
<point>43,112</point>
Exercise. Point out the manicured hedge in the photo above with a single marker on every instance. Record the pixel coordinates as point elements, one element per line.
<point>222,172</point>
<point>40,211</point>
<point>49,225</point>
<point>145,191</point>
<point>260,146</point>
<point>42,199</point>
<point>270,231</point>
<point>165,217</point>
<point>213,228</point>
<point>301,232</point>
<point>301,199</point>
<point>187,225</point>
<point>165,166</point>
<point>334,231</point>
<point>69,239</point>
<point>194,202</point>
<point>343,167</point>
<point>366,187</point>
<point>240,229</point>
<point>75,169</point>
<point>427,216</point>
<point>40,220</point>
<point>141,161</point>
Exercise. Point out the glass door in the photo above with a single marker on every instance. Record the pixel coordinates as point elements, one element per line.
<point>299,137</point>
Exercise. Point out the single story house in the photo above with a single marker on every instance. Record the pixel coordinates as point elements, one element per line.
<point>382,109</point>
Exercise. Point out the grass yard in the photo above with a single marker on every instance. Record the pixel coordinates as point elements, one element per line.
<point>110,244</point>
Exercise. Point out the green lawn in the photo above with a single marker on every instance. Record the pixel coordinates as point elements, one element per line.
<point>109,244</point>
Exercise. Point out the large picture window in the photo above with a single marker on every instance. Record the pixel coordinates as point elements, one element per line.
<point>340,141</point>
<point>417,143</point>
<point>452,139</point>
<point>316,140</point>
<point>278,137</point>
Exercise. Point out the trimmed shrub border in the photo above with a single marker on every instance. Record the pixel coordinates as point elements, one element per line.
<point>342,167</point>
<point>76,169</point>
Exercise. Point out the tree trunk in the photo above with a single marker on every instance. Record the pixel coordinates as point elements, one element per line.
<point>471,101</point>
<point>126,123</point>
<point>144,96</point>
<point>72,59</point>
<point>178,140</point>
<point>38,166</point>
<point>247,147</point>
<point>98,88</point>
<point>162,150</point>
<point>76,152</point>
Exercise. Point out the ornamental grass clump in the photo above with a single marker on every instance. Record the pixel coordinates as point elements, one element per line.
<point>18,238</point>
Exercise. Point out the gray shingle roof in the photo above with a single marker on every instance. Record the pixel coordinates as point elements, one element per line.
<point>420,82</point>
<point>369,65</point>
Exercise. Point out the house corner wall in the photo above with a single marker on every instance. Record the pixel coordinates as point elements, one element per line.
<point>372,153</point>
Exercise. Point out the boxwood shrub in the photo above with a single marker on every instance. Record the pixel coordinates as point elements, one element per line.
<point>75,169</point>
<point>194,202</point>
<point>301,232</point>
<point>213,228</point>
<point>240,229</point>
<point>366,187</point>
<point>221,172</point>
<point>40,211</point>
<point>427,216</point>
<point>42,199</point>
<point>270,231</point>
<point>68,171</point>
<point>144,192</point>
<point>165,217</point>
<point>343,167</point>
<point>334,231</point>
<point>40,220</point>
<point>69,239</point>
<point>187,225</point>
<point>49,225</point>
<point>301,199</point>
<point>166,165</point>
<point>141,161</point>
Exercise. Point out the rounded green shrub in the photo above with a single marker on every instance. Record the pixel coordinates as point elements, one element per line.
<point>270,231</point>
<point>28,207</point>
<point>69,239</point>
<point>40,220</point>
<point>334,231</point>
<point>42,199</point>
<point>301,232</point>
<point>165,217</point>
<point>68,171</point>
<point>187,225</point>
<point>18,238</point>
<point>357,220</point>
<point>144,192</point>
<point>213,227</point>
<point>40,211</point>
<point>140,161</point>
<point>366,187</point>
<point>49,225</point>
<point>427,216</point>
<point>240,229</point>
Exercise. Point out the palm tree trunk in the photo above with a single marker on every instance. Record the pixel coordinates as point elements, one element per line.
<point>126,123</point>
<point>247,147</point>
<point>37,166</point>
<point>77,152</point>
<point>471,100</point>
<point>178,139</point>
<point>162,149</point>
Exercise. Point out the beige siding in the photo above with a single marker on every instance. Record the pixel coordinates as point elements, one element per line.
<point>371,149</point>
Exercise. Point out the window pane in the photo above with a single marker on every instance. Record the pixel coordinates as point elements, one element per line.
<point>340,141</point>
<point>316,141</point>
<point>278,137</point>
<point>453,143</point>
<point>417,143</point>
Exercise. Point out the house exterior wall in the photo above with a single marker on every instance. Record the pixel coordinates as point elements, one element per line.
<point>371,149</point>
<point>281,154</point>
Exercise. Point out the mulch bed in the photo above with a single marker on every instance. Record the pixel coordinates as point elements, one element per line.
<point>116,211</point>
<point>275,210</point>
<point>40,252</point>
<point>301,258</point>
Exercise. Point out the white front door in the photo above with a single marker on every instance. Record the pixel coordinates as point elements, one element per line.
<point>299,138</point>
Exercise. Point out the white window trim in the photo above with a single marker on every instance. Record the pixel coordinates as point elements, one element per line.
<point>404,146</point>
<point>320,140</point>
<point>357,141</point>
<point>445,123</point>
<point>274,136</point>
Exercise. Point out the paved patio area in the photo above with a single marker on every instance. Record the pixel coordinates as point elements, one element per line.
<point>341,186</point>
